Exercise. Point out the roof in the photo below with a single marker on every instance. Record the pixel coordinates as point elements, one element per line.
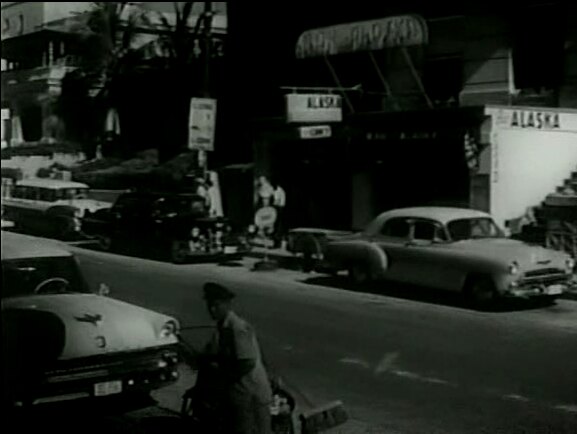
<point>441,214</point>
<point>18,246</point>
<point>50,183</point>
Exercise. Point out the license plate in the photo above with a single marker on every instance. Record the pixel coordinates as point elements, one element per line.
<point>554,290</point>
<point>228,250</point>
<point>107,388</point>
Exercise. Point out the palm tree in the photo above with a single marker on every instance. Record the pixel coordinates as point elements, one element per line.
<point>183,69</point>
<point>106,54</point>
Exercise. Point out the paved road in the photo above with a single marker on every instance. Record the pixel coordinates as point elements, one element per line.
<point>420,365</point>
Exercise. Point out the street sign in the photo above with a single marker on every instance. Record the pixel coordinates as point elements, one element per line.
<point>316,132</point>
<point>202,124</point>
<point>265,218</point>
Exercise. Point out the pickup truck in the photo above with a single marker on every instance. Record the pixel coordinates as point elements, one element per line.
<point>454,249</point>
<point>174,225</point>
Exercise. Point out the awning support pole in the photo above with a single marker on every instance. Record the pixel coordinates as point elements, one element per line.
<point>416,76</point>
<point>338,83</point>
<point>384,81</point>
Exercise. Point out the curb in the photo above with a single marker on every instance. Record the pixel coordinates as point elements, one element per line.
<point>289,261</point>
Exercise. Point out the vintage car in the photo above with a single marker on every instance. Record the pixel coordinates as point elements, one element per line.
<point>62,342</point>
<point>49,207</point>
<point>172,225</point>
<point>440,247</point>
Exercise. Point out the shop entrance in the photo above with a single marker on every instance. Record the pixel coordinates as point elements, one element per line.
<point>317,181</point>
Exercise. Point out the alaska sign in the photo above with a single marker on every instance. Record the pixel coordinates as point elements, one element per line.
<point>540,120</point>
<point>313,107</point>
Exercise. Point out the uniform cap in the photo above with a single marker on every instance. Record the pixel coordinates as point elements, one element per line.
<point>216,292</point>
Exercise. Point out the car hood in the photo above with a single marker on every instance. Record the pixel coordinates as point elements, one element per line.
<point>90,204</point>
<point>507,250</point>
<point>94,325</point>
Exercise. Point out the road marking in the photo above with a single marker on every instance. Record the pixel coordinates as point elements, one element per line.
<point>418,377</point>
<point>570,408</point>
<point>386,362</point>
<point>514,397</point>
<point>352,361</point>
<point>407,374</point>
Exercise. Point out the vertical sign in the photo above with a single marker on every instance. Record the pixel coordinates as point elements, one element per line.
<point>202,124</point>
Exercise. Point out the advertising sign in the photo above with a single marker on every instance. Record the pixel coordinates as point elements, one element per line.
<point>397,31</point>
<point>314,107</point>
<point>202,124</point>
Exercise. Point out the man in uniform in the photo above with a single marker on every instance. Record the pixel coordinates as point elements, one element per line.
<point>246,386</point>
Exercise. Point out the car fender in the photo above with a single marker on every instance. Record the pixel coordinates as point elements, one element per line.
<point>363,252</point>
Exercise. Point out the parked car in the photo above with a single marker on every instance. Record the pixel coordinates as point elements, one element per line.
<point>452,249</point>
<point>49,207</point>
<point>177,226</point>
<point>61,342</point>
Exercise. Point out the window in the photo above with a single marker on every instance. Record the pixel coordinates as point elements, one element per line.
<point>18,192</point>
<point>465,229</point>
<point>429,231</point>
<point>22,276</point>
<point>46,195</point>
<point>396,228</point>
<point>424,230</point>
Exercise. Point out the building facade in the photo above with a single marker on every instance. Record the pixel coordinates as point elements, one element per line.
<point>417,92</point>
<point>41,47</point>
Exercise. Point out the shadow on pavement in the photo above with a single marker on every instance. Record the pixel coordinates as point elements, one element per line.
<point>425,295</point>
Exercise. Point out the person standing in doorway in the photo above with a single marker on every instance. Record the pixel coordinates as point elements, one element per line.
<point>279,202</point>
<point>264,192</point>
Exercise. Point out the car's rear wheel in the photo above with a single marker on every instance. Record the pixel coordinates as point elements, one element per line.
<point>178,251</point>
<point>359,274</point>
<point>482,293</point>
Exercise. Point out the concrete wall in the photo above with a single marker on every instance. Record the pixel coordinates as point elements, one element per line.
<point>528,162</point>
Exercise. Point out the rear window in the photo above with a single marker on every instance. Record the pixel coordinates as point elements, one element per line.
<point>23,276</point>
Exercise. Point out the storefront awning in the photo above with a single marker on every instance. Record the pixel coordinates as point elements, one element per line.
<point>372,35</point>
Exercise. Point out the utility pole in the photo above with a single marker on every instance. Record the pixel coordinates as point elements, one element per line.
<point>207,54</point>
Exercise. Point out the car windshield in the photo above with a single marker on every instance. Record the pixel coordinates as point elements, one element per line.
<point>195,205</point>
<point>41,275</point>
<point>473,228</point>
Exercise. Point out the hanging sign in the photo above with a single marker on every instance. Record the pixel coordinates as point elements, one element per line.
<point>303,107</point>
<point>202,124</point>
<point>316,132</point>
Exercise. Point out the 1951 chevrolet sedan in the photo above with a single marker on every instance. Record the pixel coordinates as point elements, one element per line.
<point>61,342</point>
<point>445,248</point>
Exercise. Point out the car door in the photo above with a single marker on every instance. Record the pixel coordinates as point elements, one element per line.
<point>426,254</point>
